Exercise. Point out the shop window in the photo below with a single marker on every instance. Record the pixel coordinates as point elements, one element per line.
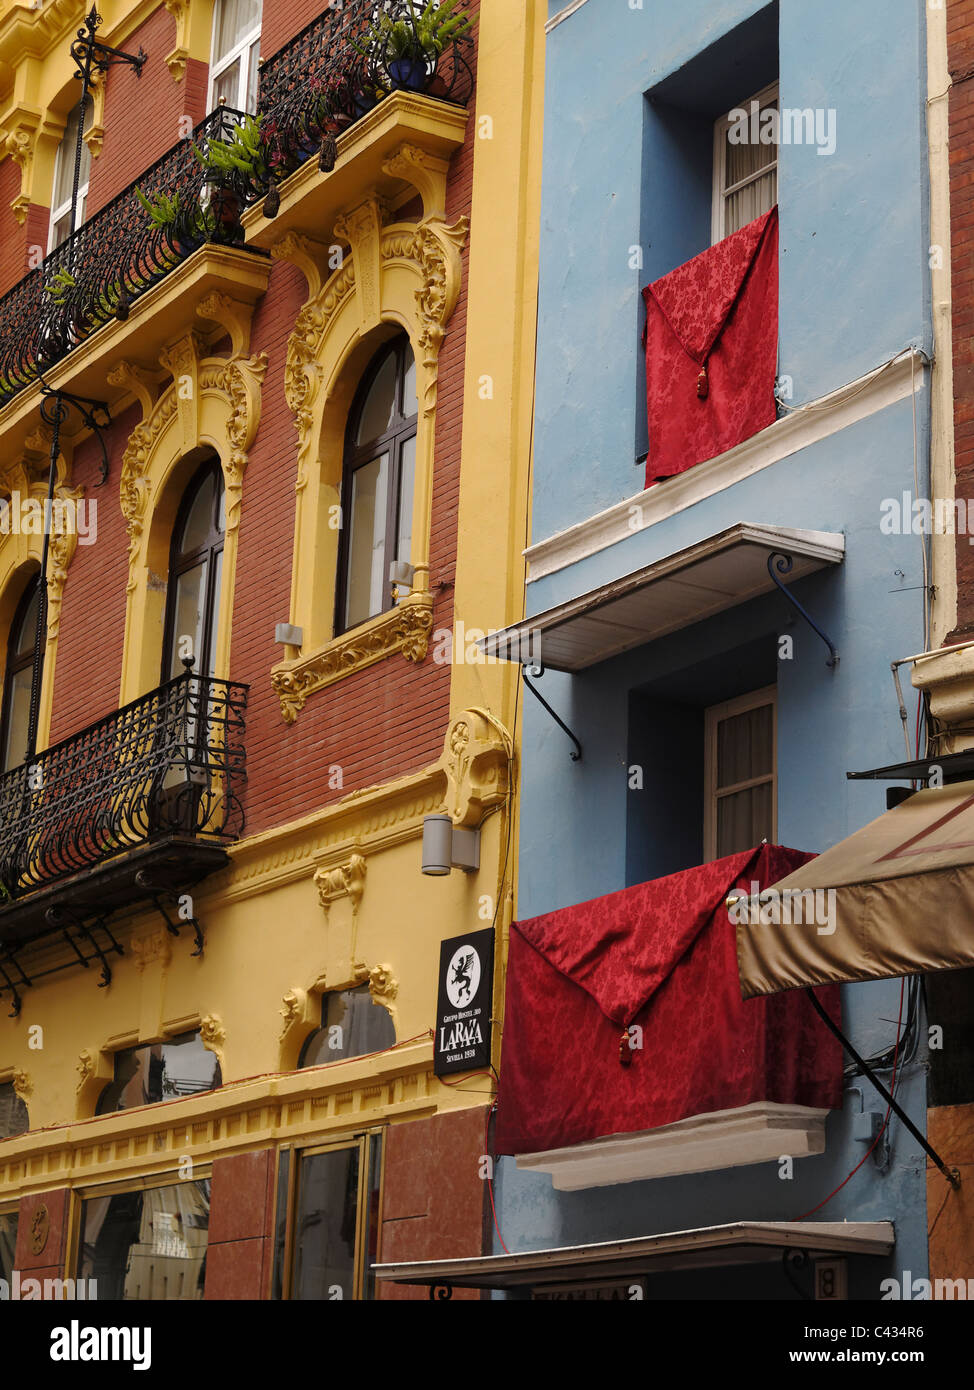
<point>8,1244</point>
<point>328,1222</point>
<point>740,804</point>
<point>351,1026</point>
<point>146,1244</point>
<point>17,679</point>
<point>377,485</point>
<point>145,1075</point>
<point>61,200</point>
<point>195,573</point>
<point>745,172</point>
<point>235,54</point>
<point>13,1112</point>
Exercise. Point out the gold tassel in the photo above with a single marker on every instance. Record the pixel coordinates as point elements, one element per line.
<point>703,384</point>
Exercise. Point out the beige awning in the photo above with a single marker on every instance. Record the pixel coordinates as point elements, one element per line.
<point>896,898</point>
<point>738,1243</point>
<point>680,589</point>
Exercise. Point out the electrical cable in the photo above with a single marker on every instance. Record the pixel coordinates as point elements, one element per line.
<point>882,1128</point>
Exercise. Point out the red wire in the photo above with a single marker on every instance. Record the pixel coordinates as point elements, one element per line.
<point>882,1130</point>
<point>490,1179</point>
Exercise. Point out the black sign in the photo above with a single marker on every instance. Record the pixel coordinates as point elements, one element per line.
<point>463,1003</point>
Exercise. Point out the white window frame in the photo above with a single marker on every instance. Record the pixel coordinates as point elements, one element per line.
<point>720,192</point>
<point>81,201</point>
<point>243,45</point>
<point>713,716</point>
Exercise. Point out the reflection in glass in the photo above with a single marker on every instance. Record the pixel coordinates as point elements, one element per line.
<point>407,480</point>
<point>351,1026</point>
<point>148,1244</point>
<point>366,581</point>
<point>13,1112</point>
<point>380,403</point>
<point>8,1244</point>
<point>19,669</point>
<point>181,1066</point>
<point>324,1247</point>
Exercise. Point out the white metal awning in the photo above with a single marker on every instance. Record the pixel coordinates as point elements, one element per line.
<point>680,589</point>
<point>741,1242</point>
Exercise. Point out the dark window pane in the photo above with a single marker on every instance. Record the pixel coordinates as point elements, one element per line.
<point>8,1244</point>
<point>181,1066</point>
<point>13,1112</point>
<point>380,404</point>
<point>351,1026</point>
<point>744,819</point>
<point>367,578</point>
<point>745,746</point>
<point>199,525</point>
<point>148,1244</point>
<point>325,1228</point>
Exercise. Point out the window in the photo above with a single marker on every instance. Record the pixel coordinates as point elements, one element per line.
<point>147,1244</point>
<point>8,1244</point>
<point>17,679</point>
<point>64,180</point>
<point>351,1026</point>
<point>236,54</point>
<point>13,1112</point>
<point>195,569</point>
<point>326,1247</point>
<point>377,485</point>
<point>180,1066</point>
<point>740,804</point>
<point>745,172</point>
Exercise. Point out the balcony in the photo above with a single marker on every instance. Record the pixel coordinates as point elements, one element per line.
<point>97,276</point>
<point>328,108</point>
<point>135,809</point>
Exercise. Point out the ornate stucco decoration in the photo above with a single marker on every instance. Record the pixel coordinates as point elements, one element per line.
<point>23,1084</point>
<point>405,629</point>
<point>211,399</point>
<point>19,145</point>
<point>407,274</point>
<point>343,880</point>
<point>151,948</point>
<point>176,60</point>
<point>476,760</point>
<point>382,986</point>
<point>213,1036</point>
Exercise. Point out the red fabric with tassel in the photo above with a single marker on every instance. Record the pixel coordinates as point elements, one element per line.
<point>663,956</point>
<point>712,350</point>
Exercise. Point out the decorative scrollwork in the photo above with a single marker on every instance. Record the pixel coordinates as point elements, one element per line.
<point>169,763</point>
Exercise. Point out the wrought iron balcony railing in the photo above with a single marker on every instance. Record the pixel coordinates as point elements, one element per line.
<point>169,764</point>
<point>336,70</point>
<point>118,254</point>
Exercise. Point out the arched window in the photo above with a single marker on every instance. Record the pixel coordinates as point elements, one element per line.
<point>145,1075</point>
<point>17,676</point>
<point>195,570</point>
<point>351,1026</point>
<point>13,1112</point>
<point>64,180</point>
<point>235,54</point>
<point>377,484</point>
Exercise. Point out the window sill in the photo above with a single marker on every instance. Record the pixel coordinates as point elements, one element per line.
<point>405,628</point>
<point>756,1133</point>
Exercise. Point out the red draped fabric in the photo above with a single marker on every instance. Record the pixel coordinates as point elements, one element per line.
<point>661,955</point>
<point>712,349</point>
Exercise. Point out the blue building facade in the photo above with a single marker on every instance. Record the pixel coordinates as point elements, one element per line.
<point>634,93</point>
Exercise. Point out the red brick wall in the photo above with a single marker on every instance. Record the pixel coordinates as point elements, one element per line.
<point>142,114</point>
<point>17,238</point>
<point>960,58</point>
<point>88,673</point>
<point>434,1201</point>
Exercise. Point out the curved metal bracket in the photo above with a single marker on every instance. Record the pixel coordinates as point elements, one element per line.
<point>794,1259</point>
<point>142,879</point>
<point>538,670</point>
<point>86,408</point>
<point>440,1293</point>
<point>784,564</point>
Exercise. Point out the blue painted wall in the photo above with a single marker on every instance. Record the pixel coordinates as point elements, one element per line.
<point>631,96</point>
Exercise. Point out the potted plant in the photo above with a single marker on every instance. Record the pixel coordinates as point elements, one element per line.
<point>407,43</point>
<point>235,168</point>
